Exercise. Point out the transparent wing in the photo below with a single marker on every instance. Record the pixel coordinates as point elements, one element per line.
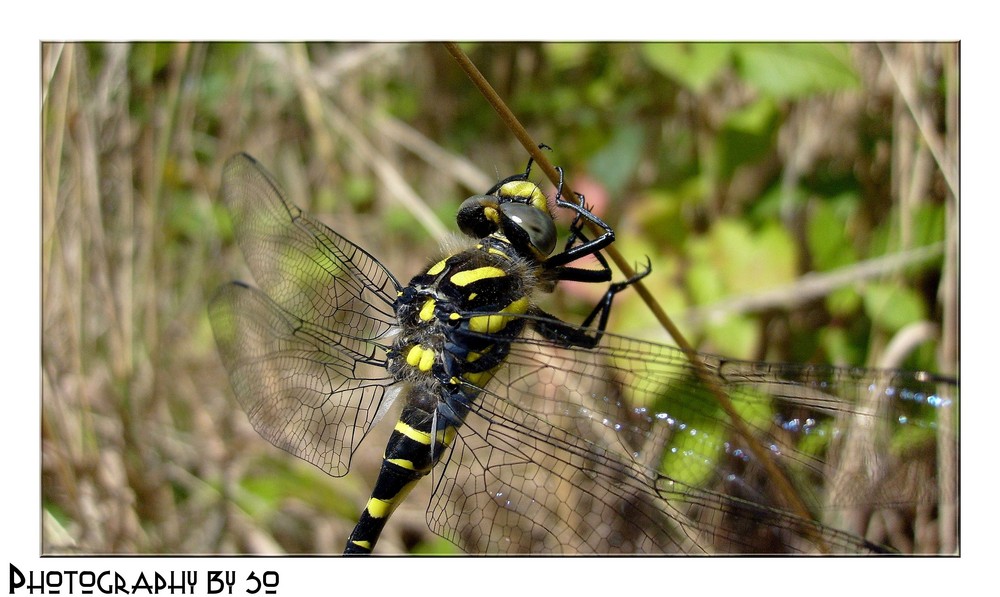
<point>309,270</point>
<point>306,389</point>
<point>305,354</point>
<point>623,449</point>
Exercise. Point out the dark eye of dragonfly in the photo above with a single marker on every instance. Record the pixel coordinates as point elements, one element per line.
<point>547,436</point>
<point>524,224</point>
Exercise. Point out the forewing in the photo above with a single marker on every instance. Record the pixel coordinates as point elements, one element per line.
<point>305,267</point>
<point>306,352</point>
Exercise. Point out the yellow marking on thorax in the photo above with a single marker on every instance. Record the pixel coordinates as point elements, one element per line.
<point>437,268</point>
<point>420,357</point>
<point>413,356</point>
<point>491,214</point>
<point>491,324</point>
<point>481,378</point>
<point>464,278</point>
<point>426,360</point>
<point>427,311</point>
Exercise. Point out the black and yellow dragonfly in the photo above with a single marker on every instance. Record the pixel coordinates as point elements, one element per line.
<point>541,436</point>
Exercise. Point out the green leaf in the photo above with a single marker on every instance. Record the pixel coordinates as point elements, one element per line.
<point>705,283</point>
<point>693,65</point>
<point>436,546</point>
<point>759,261</point>
<point>616,161</point>
<point>271,481</point>
<point>839,347</point>
<point>733,259</point>
<point>755,118</point>
<point>912,437</point>
<point>928,224</point>
<point>564,56</point>
<point>791,70</point>
<point>747,135</point>
<point>842,302</point>
<point>737,336</point>
<point>892,307</point>
<point>694,445</point>
<point>827,238</point>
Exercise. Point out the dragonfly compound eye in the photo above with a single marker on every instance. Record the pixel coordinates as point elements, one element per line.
<point>526,223</point>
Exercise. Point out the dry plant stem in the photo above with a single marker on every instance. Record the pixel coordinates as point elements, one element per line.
<point>922,120</point>
<point>817,284</point>
<point>460,167</point>
<point>947,450</point>
<point>783,486</point>
<point>944,153</point>
<point>323,115</point>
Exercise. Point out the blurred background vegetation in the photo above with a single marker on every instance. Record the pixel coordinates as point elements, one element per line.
<point>798,202</point>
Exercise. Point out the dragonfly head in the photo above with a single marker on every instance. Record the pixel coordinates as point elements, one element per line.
<point>516,209</point>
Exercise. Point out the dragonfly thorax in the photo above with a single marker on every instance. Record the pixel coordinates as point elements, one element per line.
<point>457,318</point>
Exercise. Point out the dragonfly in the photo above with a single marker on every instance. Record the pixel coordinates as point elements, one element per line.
<point>539,435</point>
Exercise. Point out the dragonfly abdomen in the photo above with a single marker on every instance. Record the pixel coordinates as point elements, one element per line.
<point>415,446</point>
<point>443,355</point>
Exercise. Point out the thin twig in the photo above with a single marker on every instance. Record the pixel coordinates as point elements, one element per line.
<point>815,285</point>
<point>920,117</point>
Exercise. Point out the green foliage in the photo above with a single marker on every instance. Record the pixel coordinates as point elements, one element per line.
<point>694,446</point>
<point>693,65</point>
<point>891,307</point>
<point>742,259</point>
<point>796,70</point>
<point>738,335</point>
<point>837,343</point>
<point>827,236</point>
<point>747,136</point>
<point>271,483</point>
<point>780,70</point>
<point>615,163</point>
<point>436,546</point>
